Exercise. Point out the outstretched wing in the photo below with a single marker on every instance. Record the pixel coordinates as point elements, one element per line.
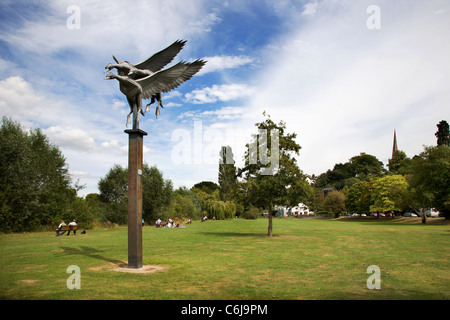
<point>169,79</point>
<point>157,61</point>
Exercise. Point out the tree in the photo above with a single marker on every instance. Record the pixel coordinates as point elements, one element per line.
<point>443,134</point>
<point>358,197</point>
<point>114,194</point>
<point>227,175</point>
<point>430,178</point>
<point>335,202</point>
<point>206,186</point>
<point>366,165</point>
<point>315,200</point>
<point>399,162</point>
<point>156,194</point>
<point>35,185</point>
<point>389,194</point>
<point>361,167</point>
<point>285,184</point>
<point>185,203</point>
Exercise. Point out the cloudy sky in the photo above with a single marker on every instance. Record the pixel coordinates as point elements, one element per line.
<point>342,74</point>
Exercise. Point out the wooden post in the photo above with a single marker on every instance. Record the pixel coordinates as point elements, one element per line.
<point>135,164</point>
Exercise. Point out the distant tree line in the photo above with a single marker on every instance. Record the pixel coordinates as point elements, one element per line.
<point>36,189</point>
<point>410,184</point>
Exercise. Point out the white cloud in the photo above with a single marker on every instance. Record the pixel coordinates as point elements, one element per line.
<point>172,104</point>
<point>101,25</point>
<point>218,63</point>
<point>21,102</point>
<point>70,137</point>
<point>78,174</point>
<point>225,113</point>
<point>344,88</point>
<point>310,9</point>
<point>118,104</point>
<point>225,92</point>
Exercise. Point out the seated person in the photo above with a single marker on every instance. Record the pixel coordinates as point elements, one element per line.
<point>72,224</point>
<point>59,228</point>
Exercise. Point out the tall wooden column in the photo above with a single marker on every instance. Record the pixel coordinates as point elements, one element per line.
<point>135,163</point>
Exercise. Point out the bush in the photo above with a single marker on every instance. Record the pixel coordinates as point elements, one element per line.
<point>253,213</point>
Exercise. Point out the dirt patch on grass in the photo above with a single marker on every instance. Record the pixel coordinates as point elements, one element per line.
<point>150,268</point>
<point>123,267</point>
<point>29,282</point>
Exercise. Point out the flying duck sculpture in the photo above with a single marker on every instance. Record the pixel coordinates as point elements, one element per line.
<point>146,80</point>
<point>152,85</point>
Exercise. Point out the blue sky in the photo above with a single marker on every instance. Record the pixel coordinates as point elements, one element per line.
<point>340,84</point>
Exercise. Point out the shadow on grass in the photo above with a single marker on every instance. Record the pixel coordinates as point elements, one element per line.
<point>239,234</point>
<point>89,252</point>
<point>404,221</point>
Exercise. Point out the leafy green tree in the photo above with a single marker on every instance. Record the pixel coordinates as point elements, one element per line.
<point>361,167</point>
<point>35,185</point>
<point>358,197</point>
<point>366,165</point>
<point>315,200</point>
<point>430,178</point>
<point>156,194</point>
<point>113,190</point>
<point>186,203</point>
<point>206,186</point>
<point>287,184</point>
<point>335,202</point>
<point>399,163</point>
<point>389,194</point>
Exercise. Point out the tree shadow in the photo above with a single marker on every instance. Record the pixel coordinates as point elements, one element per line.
<point>239,234</point>
<point>89,252</point>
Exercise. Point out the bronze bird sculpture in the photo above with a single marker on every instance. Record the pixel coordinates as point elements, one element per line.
<point>150,65</point>
<point>152,85</point>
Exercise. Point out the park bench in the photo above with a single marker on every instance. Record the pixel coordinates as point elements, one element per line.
<point>67,228</point>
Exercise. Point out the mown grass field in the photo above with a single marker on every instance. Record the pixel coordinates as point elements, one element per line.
<point>234,259</point>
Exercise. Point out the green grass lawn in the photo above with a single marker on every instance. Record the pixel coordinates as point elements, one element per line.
<point>234,259</point>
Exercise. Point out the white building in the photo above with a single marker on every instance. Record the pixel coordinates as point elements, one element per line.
<point>299,210</point>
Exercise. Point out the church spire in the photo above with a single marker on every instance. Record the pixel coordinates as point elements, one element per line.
<point>394,147</point>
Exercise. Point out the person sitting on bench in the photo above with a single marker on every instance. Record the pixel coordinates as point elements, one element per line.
<point>59,228</point>
<point>72,224</point>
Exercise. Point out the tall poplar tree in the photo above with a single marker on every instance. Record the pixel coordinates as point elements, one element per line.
<point>227,174</point>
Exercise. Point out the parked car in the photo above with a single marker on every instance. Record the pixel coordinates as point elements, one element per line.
<point>432,213</point>
<point>355,215</point>
<point>410,214</point>
<point>374,214</point>
<point>363,215</point>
